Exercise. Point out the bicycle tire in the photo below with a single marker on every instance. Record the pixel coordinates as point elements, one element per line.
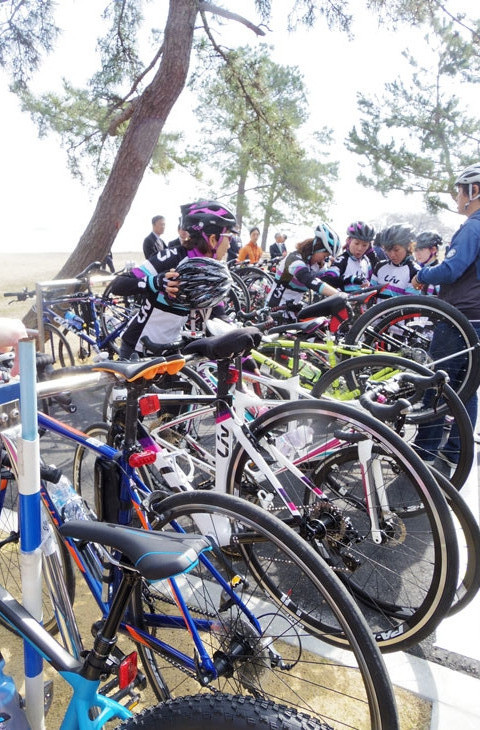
<point>83,467</point>
<point>305,578</point>
<point>393,325</point>
<point>352,377</point>
<point>402,602</point>
<point>468,534</point>
<point>221,712</point>
<point>10,556</point>
<point>58,347</point>
<point>241,290</point>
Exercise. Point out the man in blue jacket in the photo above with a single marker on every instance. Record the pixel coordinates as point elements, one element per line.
<point>459,278</point>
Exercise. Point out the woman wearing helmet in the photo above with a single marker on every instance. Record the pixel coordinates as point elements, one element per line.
<point>352,269</point>
<point>172,282</point>
<point>398,270</point>
<point>427,244</point>
<point>300,269</point>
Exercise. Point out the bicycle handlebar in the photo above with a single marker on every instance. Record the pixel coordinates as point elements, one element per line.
<point>383,411</point>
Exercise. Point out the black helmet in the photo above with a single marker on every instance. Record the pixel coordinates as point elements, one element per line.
<point>428,239</point>
<point>397,235</point>
<point>204,282</point>
<point>361,230</point>
<point>206,216</point>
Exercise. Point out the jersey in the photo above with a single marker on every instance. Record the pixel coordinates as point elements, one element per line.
<point>293,278</point>
<point>158,317</point>
<point>345,269</point>
<point>397,277</point>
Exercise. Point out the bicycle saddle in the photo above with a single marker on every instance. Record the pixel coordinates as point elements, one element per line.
<point>155,555</point>
<point>135,369</point>
<point>236,342</point>
<point>325,308</point>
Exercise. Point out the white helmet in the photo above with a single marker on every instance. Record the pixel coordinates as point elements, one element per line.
<point>326,240</point>
<point>469,176</point>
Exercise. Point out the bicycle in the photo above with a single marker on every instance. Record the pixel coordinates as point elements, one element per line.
<point>278,463</point>
<point>88,706</point>
<point>95,321</point>
<point>245,633</point>
<point>406,325</point>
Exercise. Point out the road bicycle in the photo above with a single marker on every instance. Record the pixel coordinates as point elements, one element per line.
<point>152,556</point>
<point>80,324</point>
<point>277,463</point>
<point>405,325</point>
<point>257,614</point>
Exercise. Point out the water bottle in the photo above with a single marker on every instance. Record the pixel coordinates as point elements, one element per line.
<point>68,502</point>
<point>12,716</point>
<point>73,320</point>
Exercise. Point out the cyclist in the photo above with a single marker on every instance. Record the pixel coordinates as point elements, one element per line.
<point>458,277</point>
<point>166,303</point>
<point>300,269</point>
<point>398,270</point>
<point>427,244</point>
<point>251,251</point>
<point>426,254</point>
<point>352,269</point>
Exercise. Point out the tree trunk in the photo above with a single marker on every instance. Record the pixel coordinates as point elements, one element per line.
<point>139,143</point>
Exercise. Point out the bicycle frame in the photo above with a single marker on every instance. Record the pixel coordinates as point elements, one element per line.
<point>88,559</point>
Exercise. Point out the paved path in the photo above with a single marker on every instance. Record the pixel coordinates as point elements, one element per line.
<point>454,688</point>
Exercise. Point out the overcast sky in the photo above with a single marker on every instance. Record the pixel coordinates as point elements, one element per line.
<point>44,209</point>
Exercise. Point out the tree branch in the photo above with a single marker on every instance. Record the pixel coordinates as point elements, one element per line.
<point>215,10</point>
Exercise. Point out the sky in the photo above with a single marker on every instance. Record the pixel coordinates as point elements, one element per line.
<point>44,209</point>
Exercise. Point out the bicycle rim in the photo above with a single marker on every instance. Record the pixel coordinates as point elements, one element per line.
<point>402,576</point>
<point>281,658</point>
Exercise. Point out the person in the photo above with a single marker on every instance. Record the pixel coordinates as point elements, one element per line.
<point>300,269</point>
<point>154,242</point>
<point>458,278</point>
<point>398,270</point>
<point>235,246</point>
<point>180,239</point>
<point>251,251</point>
<point>11,331</point>
<point>163,312</point>
<point>278,249</point>
<point>352,269</point>
<point>425,252</point>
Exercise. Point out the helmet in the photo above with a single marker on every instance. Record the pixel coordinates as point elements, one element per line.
<point>361,230</point>
<point>428,239</point>
<point>398,235</point>
<point>326,240</point>
<point>469,175</point>
<point>206,216</point>
<point>204,282</point>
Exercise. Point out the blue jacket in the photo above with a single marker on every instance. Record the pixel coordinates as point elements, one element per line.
<point>459,273</point>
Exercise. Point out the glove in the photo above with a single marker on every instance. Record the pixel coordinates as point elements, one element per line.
<point>358,279</point>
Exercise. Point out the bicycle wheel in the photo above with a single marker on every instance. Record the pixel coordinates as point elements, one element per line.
<point>84,477</point>
<point>419,327</point>
<point>258,282</point>
<point>432,414</point>
<point>468,536</point>
<point>396,553</point>
<point>221,711</point>
<point>241,291</point>
<point>10,551</point>
<point>279,654</point>
<point>114,313</point>
<point>58,347</point>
